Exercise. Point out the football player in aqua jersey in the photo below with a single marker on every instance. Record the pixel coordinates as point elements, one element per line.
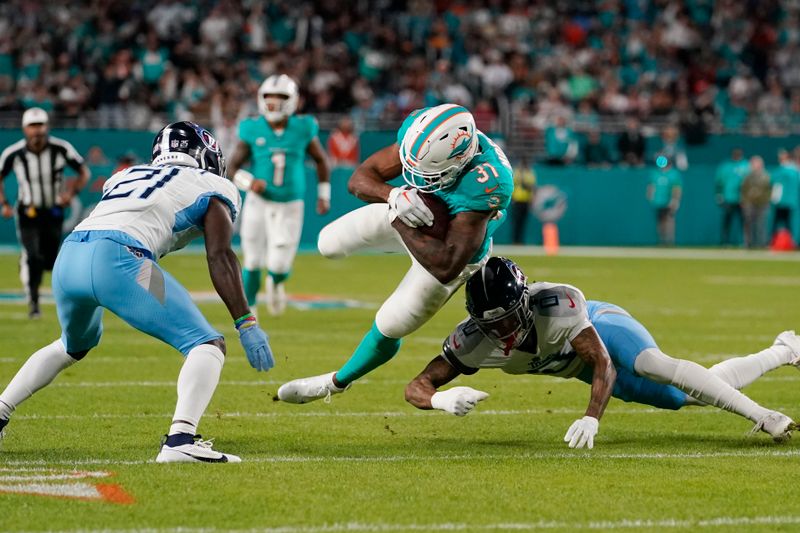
<point>276,143</point>
<point>550,329</point>
<point>438,151</point>
<point>110,262</point>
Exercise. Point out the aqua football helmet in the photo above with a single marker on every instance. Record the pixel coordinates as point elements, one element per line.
<point>188,144</point>
<point>277,97</point>
<point>437,146</point>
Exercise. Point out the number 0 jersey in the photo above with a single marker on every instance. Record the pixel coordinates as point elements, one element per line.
<point>559,315</point>
<point>160,207</point>
<point>485,184</point>
<point>280,158</point>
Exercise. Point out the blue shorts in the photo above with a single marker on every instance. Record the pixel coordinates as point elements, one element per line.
<point>625,338</point>
<point>93,272</point>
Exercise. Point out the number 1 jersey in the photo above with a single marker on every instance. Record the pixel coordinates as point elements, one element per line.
<point>161,207</point>
<point>279,157</point>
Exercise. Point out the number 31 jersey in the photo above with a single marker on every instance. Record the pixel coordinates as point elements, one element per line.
<point>279,158</point>
<point>161,207</point>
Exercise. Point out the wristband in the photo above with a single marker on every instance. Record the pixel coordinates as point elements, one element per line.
<point>324,190</point>
<point>245,321</point>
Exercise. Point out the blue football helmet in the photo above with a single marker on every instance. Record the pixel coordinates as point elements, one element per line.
<point>186,143</point>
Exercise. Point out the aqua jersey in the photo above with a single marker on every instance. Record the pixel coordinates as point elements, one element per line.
<point>280,159</point>
<point>485,184</point>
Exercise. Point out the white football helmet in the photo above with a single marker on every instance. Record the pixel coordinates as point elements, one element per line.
<point>437,146</point>
<point>277,97</point>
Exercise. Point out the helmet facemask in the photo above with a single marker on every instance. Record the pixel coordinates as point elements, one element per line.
<point>507,328</point>
<point>275,106</point>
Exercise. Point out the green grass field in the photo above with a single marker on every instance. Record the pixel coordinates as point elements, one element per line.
<point>370,462</point>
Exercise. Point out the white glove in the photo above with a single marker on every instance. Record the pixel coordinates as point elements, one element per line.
<point>582,432</point>
<point>409,207</point>
<point>458,400</point>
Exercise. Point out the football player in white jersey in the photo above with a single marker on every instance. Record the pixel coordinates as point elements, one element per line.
<point>547,328</point>
<point>109,262</point>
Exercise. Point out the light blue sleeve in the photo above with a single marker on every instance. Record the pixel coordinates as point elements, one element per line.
<point>193,215</point>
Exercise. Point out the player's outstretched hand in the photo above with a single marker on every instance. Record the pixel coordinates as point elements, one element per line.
<point>458,400</point>
<point>581,433</point>
<point>409,207</point>
<point>256,346</point>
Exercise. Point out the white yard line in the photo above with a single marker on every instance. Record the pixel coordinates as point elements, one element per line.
<point>579,454</point>
<point>366,414</point>
<point>628,523</point>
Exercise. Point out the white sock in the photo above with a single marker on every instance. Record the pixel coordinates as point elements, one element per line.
<point>698,382</point>
<point>37,372</point>
<point>740,372</point>
<point>196,384</point>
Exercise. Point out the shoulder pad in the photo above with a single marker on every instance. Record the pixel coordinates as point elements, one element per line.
<point>462,341</point>
<point>558,301</point>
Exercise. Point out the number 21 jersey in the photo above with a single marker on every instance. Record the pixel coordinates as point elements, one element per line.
<point>161,207</point>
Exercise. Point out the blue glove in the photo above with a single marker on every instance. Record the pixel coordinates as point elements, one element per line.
<point>256,347</point>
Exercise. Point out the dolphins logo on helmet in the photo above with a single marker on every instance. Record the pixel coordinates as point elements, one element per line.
<point>437,146</point>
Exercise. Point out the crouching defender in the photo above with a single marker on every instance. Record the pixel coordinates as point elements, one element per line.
<point>109,261</point>
<point>546,328</point>
<point>438,151</point>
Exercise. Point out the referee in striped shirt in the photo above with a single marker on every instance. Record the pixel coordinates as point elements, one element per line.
<point>38,163</point>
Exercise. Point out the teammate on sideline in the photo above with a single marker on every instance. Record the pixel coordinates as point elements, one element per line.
<point>438,151</point>
<point>109,261</point>
<point>272,220</point>
<point>547,328</point>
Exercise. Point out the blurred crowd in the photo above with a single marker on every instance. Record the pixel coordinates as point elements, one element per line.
<point>135,64</point>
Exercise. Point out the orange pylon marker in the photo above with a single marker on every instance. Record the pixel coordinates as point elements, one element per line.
<point>550,238</point>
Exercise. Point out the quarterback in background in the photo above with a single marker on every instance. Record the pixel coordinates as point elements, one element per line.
<point>438,152</point>
<point>550,329</point>
<point>276,143</point>
<point>109,262</point>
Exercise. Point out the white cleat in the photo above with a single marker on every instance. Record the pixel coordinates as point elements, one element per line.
<point>306,390</point>
<point>778,425</point>
<point>276,297</point>
<point>198,451</point>
<point>792,341</point>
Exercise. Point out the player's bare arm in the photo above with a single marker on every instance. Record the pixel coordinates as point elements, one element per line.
<point>315,151</point>
<point>420,390</point>
<point>368,182</point>
<point>74,187</point>
<point>223,265</point>
<point>591,349</point>
<point>7,210</point>
<point>446,259</point>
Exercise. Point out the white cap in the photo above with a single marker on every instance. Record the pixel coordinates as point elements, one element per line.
<point>34,115</point>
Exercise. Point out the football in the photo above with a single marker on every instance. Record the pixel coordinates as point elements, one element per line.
<point>441,217</point>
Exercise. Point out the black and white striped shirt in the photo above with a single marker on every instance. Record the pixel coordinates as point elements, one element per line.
<point>39,175</point>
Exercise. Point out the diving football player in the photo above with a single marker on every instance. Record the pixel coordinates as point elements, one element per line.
<point>438,151</point>
<point>547,328</point>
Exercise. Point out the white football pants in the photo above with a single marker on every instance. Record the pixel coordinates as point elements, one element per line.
<point>270,233</point>
<point>419,295</point>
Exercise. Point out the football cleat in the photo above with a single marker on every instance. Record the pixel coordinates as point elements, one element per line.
<point>306,390</point>
<point>3,424</point>
<point>778,425</point>
<point>792,341</point>
<point>276,297</point>
<point>192,449</point>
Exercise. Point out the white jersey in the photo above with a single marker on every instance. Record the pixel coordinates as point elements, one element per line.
<point>559,315</point>
<point>162,207</point>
